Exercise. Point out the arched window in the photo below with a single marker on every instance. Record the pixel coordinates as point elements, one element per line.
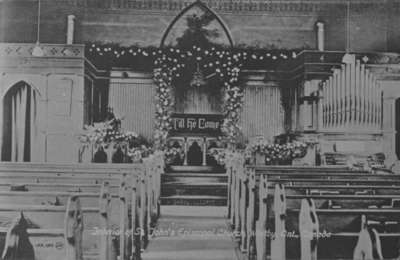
<point>18,123</point>
<point>199,25</point>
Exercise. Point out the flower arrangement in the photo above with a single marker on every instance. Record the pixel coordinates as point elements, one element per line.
<point>137,153</point>
<point>173,155</point>
<point>106,133</point>
<point>110,133</point>
<point>218,154</point>
<point>277,153</point>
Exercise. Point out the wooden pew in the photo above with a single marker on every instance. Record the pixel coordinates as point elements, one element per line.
<point>56,194</point>
<point>85,179</point>
<point>64,230</point>
<point>243,219</point>
<point>98,215</point>
<point>335,220</point>
<point>87,173</point>
<point>336,233</point>
<point>147,181</point>
<point>17,241</point>
<point>340,224</point>
<point>123,202</point>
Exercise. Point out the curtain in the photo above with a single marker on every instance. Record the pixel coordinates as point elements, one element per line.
<point>19,128</point>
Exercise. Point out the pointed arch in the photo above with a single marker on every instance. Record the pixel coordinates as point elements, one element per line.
<point>19,82</point>
<point>18,115</point>
<point>197,3</point>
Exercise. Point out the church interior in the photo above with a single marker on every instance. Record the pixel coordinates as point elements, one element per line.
<point>199,129</point>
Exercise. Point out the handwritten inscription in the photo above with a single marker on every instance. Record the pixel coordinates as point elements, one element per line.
<point>57,245</point>
<point>192,123</point>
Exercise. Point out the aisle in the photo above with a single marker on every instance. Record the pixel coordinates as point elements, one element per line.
<point>192,233</point>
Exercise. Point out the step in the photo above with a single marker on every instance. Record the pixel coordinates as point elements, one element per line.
<point>204,169</point>
<point>194,200</point>
<point>184,188</point>
<point>195,174</point>
<point>194,177</point>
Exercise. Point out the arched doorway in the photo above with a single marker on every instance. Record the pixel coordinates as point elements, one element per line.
<point>18,123</point>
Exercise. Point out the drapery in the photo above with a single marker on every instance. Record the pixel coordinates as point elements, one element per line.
<point>19,128</point>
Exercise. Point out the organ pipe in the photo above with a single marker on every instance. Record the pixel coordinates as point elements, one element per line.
<point>352,99</point>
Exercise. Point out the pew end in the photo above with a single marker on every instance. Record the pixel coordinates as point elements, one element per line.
<point>74,229</point>
<point>278,242</point>
<point>308,229</point>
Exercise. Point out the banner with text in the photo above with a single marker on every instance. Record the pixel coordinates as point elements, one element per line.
<point>196,124</point>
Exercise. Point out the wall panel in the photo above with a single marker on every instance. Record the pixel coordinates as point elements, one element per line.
<point>133,99</point>
<point>262,113</point>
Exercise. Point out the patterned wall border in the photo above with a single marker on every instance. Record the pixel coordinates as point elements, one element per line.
<point>48,50</point>
<point>230,6</point>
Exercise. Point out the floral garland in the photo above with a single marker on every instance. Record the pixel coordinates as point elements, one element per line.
<point>221,63</point>
<point>169,64</point>
<point>108,55</point>
<point>277,152</point>
<point>164,106</point>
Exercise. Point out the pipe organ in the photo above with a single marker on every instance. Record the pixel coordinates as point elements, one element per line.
<point>352,100</point>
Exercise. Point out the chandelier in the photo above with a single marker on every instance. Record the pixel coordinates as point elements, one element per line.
<point>198,78</point>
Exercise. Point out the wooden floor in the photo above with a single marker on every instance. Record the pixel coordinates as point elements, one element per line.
<point>192,233</point>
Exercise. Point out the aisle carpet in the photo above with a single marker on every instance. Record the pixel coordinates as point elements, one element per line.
<point>192,233</point>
